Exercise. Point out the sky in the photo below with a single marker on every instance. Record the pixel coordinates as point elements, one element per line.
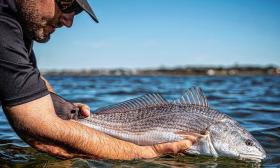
<point>170,33</point>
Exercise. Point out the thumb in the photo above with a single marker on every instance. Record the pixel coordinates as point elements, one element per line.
<point>85,111</point>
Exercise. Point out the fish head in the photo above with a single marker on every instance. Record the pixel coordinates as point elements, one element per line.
<point>228,138</point>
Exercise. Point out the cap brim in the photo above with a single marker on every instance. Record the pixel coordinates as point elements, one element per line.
<point>85,5</point>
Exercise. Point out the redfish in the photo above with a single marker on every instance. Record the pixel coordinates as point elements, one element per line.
<point>151,119</point>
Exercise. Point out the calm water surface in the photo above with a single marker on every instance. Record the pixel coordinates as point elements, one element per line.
<point>252,101</point>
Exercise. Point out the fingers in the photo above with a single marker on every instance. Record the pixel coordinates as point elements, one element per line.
<point>193,137</point>
<point>180,146</point>
<point>84,109</point>
<point>174,147</point>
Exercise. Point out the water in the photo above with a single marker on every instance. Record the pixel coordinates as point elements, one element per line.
<point>253,101</point>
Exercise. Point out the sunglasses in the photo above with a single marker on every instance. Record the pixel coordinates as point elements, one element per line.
<point>69,6</point>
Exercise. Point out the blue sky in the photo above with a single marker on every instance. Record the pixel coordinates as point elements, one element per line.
<point>154,33</point>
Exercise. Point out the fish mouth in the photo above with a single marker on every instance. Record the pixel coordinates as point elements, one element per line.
<point>258,158</point>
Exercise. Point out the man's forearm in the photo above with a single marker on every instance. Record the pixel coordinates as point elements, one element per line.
<point>93,142</point>
<point>77,140</point>
<point>103,148</point>
<point>51,149</point>
<point>69,135</point>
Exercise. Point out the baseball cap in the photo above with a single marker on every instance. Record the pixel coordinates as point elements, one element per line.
<point>85,5</point>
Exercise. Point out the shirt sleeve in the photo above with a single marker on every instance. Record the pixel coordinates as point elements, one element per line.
<point>20,80</point>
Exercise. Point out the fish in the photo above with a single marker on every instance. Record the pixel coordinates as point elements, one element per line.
<point>151,120</point>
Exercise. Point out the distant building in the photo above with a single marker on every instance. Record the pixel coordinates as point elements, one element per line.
<point>211,72</point>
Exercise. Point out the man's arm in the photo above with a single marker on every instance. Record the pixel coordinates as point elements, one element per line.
<point>37,124</point>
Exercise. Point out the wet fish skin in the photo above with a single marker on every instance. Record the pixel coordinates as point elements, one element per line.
<point>151,120</point>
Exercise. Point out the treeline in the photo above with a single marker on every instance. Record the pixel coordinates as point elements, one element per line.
<point>179,71</point>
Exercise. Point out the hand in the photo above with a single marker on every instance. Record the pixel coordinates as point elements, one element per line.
<point>84,109</point>
<point>169,148</point>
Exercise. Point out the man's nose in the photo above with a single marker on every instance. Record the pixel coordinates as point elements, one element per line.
<point>67,19</point>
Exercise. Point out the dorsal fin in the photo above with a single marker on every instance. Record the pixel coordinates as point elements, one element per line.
<point>193,96</point>
<point>153,99</point>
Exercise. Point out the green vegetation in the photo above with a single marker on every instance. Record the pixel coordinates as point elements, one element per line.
<point>178,71</point>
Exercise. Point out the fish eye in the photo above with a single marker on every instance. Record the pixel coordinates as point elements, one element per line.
<point>249,142</point>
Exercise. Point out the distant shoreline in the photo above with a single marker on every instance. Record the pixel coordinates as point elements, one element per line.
<point>186,71</point>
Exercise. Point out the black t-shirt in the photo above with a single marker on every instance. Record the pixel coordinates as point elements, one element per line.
<point>20,80</point>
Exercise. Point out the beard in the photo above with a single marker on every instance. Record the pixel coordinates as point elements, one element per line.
<point>33,23</point>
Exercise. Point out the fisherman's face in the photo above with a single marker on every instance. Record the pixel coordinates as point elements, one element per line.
<point>42,17</point>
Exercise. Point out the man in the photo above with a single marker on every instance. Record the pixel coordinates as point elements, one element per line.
<point>24,93</point>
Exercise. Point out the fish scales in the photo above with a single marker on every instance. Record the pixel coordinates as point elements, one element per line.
<point>120,122</point>
<point>147,113</point>
<point>168,117</point>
